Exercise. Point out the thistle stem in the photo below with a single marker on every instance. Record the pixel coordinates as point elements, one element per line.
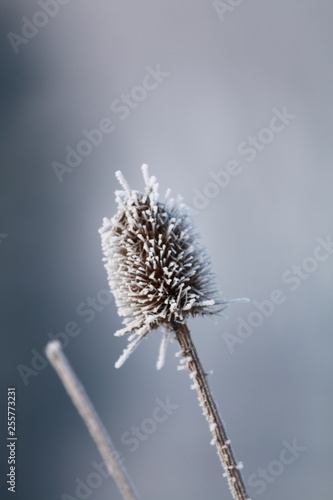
<point>85,408</point>
<point>220,439</point>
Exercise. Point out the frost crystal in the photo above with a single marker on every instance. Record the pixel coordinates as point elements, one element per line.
<point>158,271</point>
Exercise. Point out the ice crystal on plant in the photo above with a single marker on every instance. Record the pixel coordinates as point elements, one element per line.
<point>158,271</point>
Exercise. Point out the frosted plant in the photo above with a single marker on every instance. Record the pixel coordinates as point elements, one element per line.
<point>157,269</point>
<point>160,274</point>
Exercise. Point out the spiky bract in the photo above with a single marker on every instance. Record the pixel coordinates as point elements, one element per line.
<point>158,271</point>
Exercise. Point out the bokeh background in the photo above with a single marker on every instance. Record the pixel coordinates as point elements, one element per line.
<point>225,70</point>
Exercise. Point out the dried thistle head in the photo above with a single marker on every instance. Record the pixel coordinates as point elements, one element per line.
<point>158,271</point>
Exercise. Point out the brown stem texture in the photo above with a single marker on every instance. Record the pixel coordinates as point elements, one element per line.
<point>210,411</point>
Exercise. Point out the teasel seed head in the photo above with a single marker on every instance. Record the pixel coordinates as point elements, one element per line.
<point>158,271</point>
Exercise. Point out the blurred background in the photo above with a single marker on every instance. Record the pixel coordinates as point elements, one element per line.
<point>231,106</point>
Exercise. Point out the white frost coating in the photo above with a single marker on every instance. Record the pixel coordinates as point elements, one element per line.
<point>163,348</point>
<point>181,367</point>
<point>145,173</point>
<point>122,181</point>
<point>226,444</point>
<point>208,302</point>
<point>212,427</point>
<point>53,348</point>
<point>186,360</point>
<point>158,271</point>
<point>129,349</point>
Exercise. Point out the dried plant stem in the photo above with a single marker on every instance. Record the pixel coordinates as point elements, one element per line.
<point>220,439</point>
<point>86,410</point>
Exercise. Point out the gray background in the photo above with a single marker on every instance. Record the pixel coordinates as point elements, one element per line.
<point>225,78</point>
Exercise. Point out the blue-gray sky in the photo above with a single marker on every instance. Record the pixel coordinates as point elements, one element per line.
<point>230,103</point>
